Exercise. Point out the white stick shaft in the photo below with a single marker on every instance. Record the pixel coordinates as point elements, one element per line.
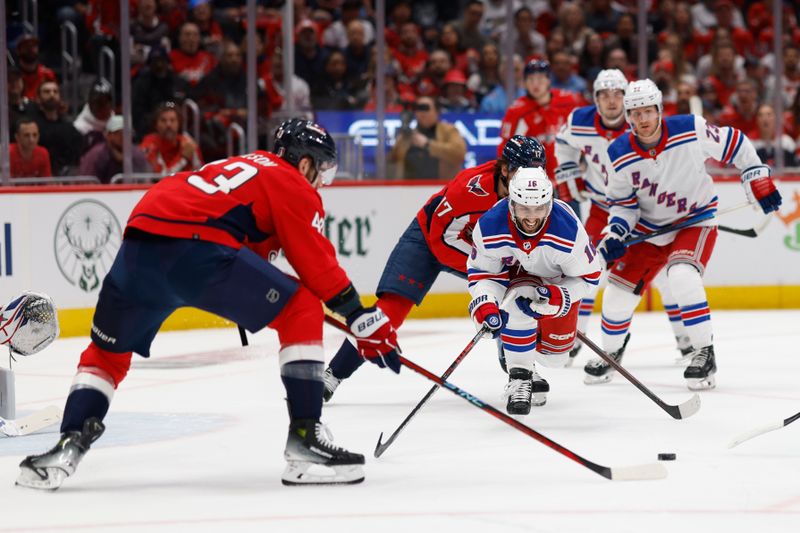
<point>31,423</point>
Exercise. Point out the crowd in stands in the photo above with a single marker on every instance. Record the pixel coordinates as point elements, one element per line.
<point>714,57</point>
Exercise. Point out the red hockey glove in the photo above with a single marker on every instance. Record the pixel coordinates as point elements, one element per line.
<point>376,339</point>
<point>486,313</point>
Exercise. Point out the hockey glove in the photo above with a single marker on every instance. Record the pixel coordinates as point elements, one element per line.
<point>569,183</point>
<point>612,246</point>
<point>376,339</point>
<point>759,187</point>
<point>485,313</point>
<point>548,301</point>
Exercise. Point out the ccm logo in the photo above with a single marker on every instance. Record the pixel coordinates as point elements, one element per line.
<point>561,337</point>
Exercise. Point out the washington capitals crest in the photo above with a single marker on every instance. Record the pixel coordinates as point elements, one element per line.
<point>475,187</point>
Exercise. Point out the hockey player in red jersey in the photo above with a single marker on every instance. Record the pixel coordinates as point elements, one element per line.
<point>540,112</point>
<point>438,240</point>
<point>202,239</point>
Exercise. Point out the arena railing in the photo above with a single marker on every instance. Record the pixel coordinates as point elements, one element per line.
<point>136,177</point>
<point>55,180</point>
<point>70,64</point>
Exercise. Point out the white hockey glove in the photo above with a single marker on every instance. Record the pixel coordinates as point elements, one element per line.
<point>569,183</point>
<point>29,323</point>
<point>544,301</point>
<point>759,187</point>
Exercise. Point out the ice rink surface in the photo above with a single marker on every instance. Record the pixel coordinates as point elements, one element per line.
<point>195,437</point>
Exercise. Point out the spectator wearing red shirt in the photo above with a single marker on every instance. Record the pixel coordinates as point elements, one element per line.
<point>400,15</point>
<point>742,109</point>
<point>439,64</point>
<point>27,158</point>
<point>188,60</point>
<point>33,72</point>
<point>450,41</point>
<point>742,39</point>
<point>724,75</point>
<point>167,149</point>
<point>411,56</point>
<point>210,31</point>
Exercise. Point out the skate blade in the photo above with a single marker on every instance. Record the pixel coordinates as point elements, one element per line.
<point>589,379</point>
<point>538,399</point>
<point>706,383</point>
<point>683,360</point>
<point>31,479</point>
<point>299,473</point>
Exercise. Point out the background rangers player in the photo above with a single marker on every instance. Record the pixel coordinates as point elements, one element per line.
<point>540,112</point>
<point>536,249</point>
<point>586,135</point>
<point>660,178</point>
<point>201,239</point>
<point>439,239</point>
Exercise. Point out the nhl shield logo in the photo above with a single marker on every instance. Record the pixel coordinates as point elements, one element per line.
<point>526,245</point>
<point>86,241</point>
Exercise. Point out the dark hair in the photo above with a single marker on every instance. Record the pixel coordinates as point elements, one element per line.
<point>473,2</point>
<point>165,107</point>
<point>23,120</point>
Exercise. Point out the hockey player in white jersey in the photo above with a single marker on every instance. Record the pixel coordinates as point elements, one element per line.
<point>535,249</point>
<point>659,179</point>
<point>587,134</point>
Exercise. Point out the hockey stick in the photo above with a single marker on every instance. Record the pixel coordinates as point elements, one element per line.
<point>684,410</point>
<point>763,429</point>
<point>625,473</point>
<point>243,336</point>
<point>31,423</point>
<point>381,447</point>
<point>755,231</point>
<point>689,222</point>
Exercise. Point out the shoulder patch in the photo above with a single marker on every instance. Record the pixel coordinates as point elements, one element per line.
<point>474,186</point>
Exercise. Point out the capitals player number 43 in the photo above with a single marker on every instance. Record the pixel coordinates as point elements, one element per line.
<point>223,183</point>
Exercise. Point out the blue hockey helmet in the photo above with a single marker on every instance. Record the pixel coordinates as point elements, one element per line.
<point>537,65</point>
<point>297,138</point>
<point>523,152</point>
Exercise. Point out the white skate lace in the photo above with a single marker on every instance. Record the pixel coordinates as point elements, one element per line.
<point>598,363</point>
<point>325,437</point>
<point>519,390</point>
<point>700,359</point>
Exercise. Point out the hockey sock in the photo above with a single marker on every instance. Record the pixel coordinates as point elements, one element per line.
<point>304,385</point>
<point>618,307</point>
<point>519,337</point>
<point>89,396</point>
<point>686,284</point>
<point>671,307</point>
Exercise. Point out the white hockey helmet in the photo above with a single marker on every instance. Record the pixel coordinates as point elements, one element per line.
<point>643,93</point>
<point>610,78</point>
<point>530,188</point>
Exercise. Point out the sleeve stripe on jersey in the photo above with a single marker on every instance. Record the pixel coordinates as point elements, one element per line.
<point>593,278</point>
<point>731,145</point>
<point>736,150</point>
<point>630,201</point>
<point>584,131</point>
<point>625,160</point>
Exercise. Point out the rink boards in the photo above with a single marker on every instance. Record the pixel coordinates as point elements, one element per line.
<point>62,241</point>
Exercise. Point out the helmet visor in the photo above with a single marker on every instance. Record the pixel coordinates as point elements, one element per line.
<point>327,171</point>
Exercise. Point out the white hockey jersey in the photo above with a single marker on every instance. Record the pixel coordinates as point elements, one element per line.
<point>584,135</point>
<point>653,188</point>
<point>561,254</point>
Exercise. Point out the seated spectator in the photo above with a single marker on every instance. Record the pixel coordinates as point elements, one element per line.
<point>455,97</point>
<point>188,60</point>
<point>694,42</point>
<point>602,16</point>
<point>400,14</point>
<point>662,72</point>
<point>147,31</point>
<point>91,122</point>
<point>26,157</point>
<point>19,105</point>
<point>618,59</point>
<point>450,42</point>
<point>167,149</point>
<point>705,19</point>
<point>488,75</point>
<point>687,100</point>
<point>411,57</point>
<point>590,62</point>
<point>155,84</point>
<point>357,53</point>
<point>336,35</point>
<point>33,72</point>
<point>497,100</point>
<point>791,119</point>
<point>790,82</point>
<point>764,141</point>
<point>309,58</point>
<point>223,93</point>
<point>724,75</point>
<point>468,27</point>
<point>433,150</point>
<point>742,108</point>
<point>703,68</point>
<point>395,102</point>
<point>493,21</point>
<point>56,132</point>
<point>332,90</point>
<point>211,35</point>
<point>529,42</point>
<point>742,39</point>
<point>572,22</point>
<point>104,159</point>
<point>562,74</point>
<point>439,64</point>
<point>274,84</point>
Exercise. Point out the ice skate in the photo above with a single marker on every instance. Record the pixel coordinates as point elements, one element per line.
<point>524,388</point>
<point>309,447</point>
<point>700,372</point>
<point>49,470</point>
<point>331,383</point>
<point>598,371</point>
<point>685,347</point>
<point>573,353</point>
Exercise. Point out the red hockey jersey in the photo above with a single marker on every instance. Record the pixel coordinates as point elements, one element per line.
<point>527,117</point>
<point>448,217</point>
<point>255,200</point>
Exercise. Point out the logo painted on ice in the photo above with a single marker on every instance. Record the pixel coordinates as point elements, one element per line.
<point>792,241</point>
<point>86,240</point>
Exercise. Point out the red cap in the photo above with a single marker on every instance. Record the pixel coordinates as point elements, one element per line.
<point>455,76</point>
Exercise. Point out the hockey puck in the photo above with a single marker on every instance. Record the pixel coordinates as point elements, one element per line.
<point>666,457</point>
